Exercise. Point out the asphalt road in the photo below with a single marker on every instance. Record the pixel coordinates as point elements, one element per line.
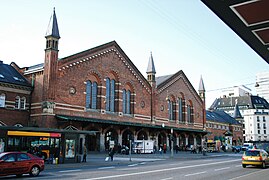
<point>217,167</point>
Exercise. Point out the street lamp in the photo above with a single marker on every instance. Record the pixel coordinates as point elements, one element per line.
<point>172,143</point>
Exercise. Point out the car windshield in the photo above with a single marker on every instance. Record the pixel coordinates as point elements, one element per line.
<point>252,153</point>
<point>2,154</point>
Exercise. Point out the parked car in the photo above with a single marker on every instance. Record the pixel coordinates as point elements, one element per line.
<point>19,163</point>
<point>125,150</point>
<point>255,157</point>
<point>247,146</point>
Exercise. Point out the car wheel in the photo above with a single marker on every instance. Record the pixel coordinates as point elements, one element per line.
<point>244,166</point>
<point>263,165</point>
<point>34,171</point>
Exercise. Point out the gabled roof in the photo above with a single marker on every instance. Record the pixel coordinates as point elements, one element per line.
<point>96,51</point>
<point>244,102</point>
<point>53,29</point>
<point>162,81</point>
<point>10,75</point>
<point>220,117</point>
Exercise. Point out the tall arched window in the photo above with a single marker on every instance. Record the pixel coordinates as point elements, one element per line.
<point>126,101</point>
<point>91,94</point>
<point>110,95</point>
<point>180,110</point>
<point>171,110</point>
<point>190,114</point>
<point>17,102</point>
<point>2,100</point>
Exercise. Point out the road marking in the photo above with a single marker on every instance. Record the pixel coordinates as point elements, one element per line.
<point>221,168</point>
<point>73,170</point>
<point>108,167</point>
<point>161,170</point>
<point>248,174</point>
<point>175,164</point>
<point>143,163</point>
<point>196,173</point>
<point>167,178</point>
<point>131,165</point>
<point>127,169</point>
<point>238,165</point>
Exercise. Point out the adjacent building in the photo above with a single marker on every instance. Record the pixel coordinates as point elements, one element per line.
<point>262,85</point>
<point>254,111</point>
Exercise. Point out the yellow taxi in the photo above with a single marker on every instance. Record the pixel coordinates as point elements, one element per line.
<point>255,157</point>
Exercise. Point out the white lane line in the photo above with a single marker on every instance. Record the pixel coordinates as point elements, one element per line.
<point>221,169</point>
<point>73,170</point>
<point>109,167</point>
<point>238,165</point>
<point>127,169</point>
<point>167,178</point>
<point>238,177</point>
<point>160,170</point>
<point>143,163</point>
<point>131,165</point>
<point>193,174</point>
<point>175,164</point>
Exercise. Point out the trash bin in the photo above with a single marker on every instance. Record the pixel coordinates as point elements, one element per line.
<point>78,159</point>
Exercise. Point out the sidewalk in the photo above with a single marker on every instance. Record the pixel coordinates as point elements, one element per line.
<point>95,159</point>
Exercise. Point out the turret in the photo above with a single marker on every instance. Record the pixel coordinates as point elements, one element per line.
<point>51,57</point>
<point>151,71</point>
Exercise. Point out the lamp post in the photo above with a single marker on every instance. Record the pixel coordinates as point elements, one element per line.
<point>130,146</point>
<point>172,143</point>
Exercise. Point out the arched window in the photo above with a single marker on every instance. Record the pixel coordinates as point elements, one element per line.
<point>171,110</point>
<point>23,103</point>
<point>126,101</point>
<point>91,95</point>
<point>2,100</point>
<point>180,110</point>
<point>190,114</point>
<point>110,95</point>
<point>17,102</point>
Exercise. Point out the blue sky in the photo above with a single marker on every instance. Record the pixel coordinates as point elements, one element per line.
<point>182,35</point>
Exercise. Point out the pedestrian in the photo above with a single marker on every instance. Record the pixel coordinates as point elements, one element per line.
<point>164,148</point>
<point>84,153</point>
<point>111,153</point>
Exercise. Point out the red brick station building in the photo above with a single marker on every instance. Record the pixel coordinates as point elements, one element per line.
<point>97,97</point>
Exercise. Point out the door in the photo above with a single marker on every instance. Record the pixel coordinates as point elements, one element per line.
<point>8,165</point>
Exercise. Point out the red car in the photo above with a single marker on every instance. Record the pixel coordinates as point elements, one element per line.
<point>19,163</point>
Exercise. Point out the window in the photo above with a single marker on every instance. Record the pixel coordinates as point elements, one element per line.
<point>2,100</point>
<point>258,125</point>
<point>110,95</point>
<point>91,94</point>
<point>264,126</point>
<point>258,119</point>
<point>171,110</point>
<point>23,157</point>
<point>126,101</point>
<point>263,118</point>
<point>190,114</point>
<point>22,103</point>
<point>181,110</point>
<point>17,102</point>
<point>264,131</point>
<point>259,132</point>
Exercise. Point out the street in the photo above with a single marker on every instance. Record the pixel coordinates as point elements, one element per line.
<point>185,166</point>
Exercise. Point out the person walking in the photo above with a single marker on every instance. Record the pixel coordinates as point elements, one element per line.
<point>111,153</point>
<point>84,153</point>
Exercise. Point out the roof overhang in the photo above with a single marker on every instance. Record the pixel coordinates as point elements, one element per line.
<point>124,123</point>
<point>248,19</point>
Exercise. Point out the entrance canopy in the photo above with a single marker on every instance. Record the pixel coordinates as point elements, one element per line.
<point>249,19</point>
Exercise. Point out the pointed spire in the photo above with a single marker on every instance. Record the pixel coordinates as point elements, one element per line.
<point>237,113</point>
<point>53,29</point>
<point>201,85</point>
<point>151,67</point>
